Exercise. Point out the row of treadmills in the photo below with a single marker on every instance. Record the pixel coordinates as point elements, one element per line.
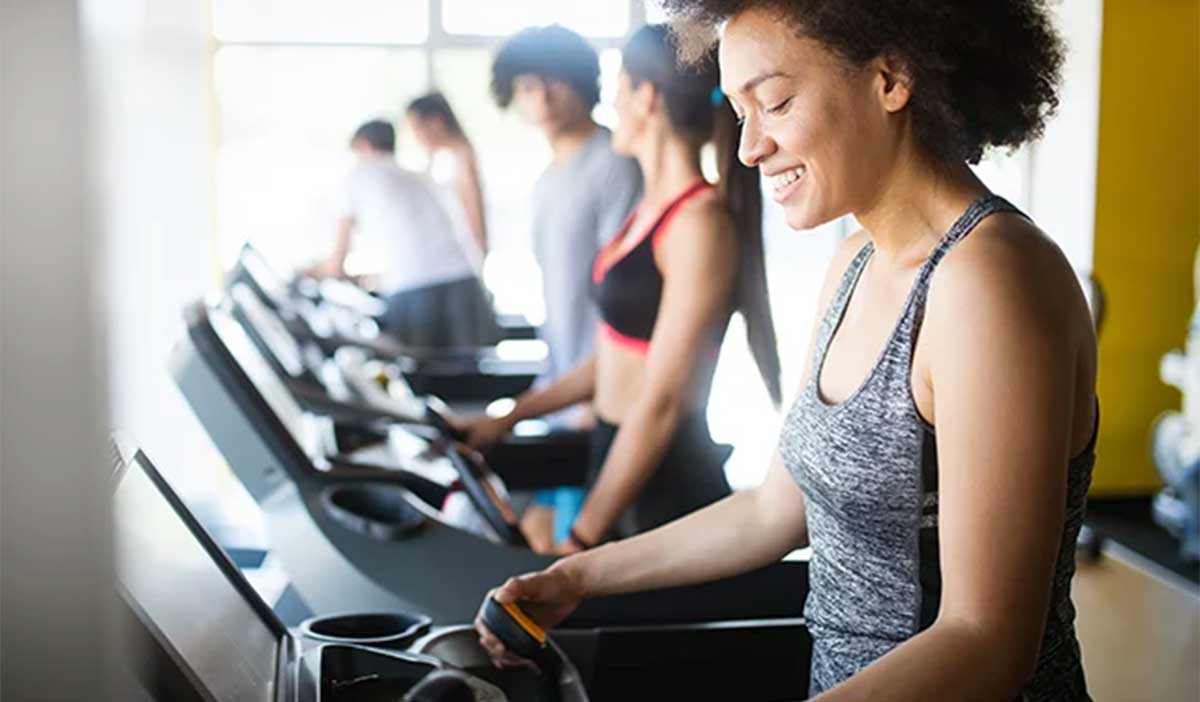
<point>391,532</point>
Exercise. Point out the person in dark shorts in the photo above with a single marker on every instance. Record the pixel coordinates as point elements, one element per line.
<point>938,455</point>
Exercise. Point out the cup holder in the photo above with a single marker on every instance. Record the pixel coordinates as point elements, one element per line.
<point>378,510</point>
<point>393,630</point>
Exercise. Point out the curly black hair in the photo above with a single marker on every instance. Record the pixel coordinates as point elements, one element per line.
<point>985,73</point>
<point>550,52</point>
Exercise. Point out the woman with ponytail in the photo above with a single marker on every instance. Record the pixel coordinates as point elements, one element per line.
<point>687,258</point>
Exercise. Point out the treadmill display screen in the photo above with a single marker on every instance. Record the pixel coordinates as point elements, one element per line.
<point>263,275</point>
<point>276,336</point>
<point>195,608</point>
<point>269,385</point>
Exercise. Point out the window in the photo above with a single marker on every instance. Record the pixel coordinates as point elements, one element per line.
<point>654,13</point>
<point>593,19</point>
<point>321,21</point>
<point>286,117</point>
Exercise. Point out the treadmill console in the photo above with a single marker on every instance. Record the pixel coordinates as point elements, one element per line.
<point>278,339</point>
<point>225,644</point>
<point>301,425</point>
<point>269,283</point>
<point>203,611</point>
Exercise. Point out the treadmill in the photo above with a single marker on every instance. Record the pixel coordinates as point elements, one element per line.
<point>335,314</point>
<point>347,390</point>
<point>202,633</point>
<point>362,537</point>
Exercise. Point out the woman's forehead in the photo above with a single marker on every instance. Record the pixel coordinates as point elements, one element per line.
<point>757,46</point>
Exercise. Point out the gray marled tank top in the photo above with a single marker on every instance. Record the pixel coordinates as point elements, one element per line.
<point>868,468</point>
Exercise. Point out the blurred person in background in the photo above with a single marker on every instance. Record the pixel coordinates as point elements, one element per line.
<point>438,131</point>
<point>551,76</point>
<point>686,258</point>
<point>434,299</point>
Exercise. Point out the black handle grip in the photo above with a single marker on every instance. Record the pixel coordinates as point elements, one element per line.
<point>515,629</point>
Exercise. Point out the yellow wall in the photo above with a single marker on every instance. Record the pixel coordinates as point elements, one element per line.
<point>1147,221</point>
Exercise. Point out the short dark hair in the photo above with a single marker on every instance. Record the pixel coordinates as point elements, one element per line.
<point>433,105</point>
<point>553,52</point>
<point>985,73</point>
<point>380,134</point>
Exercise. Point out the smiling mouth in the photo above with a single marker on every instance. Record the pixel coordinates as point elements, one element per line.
<point>784,183</point>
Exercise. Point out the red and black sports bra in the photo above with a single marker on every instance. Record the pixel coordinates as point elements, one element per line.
<point>626,282</point>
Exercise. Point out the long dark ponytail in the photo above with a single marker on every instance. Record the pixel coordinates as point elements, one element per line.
<point>698,111</point>
<point>743,195</point>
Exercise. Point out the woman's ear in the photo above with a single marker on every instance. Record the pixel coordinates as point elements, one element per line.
<point>895,83</point>
<point>645,98</point>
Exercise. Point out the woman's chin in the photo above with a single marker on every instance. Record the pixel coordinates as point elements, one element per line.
<point>801,218</point>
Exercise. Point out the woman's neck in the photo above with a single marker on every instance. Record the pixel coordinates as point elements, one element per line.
<point>669,164</point>
<point>918,201</point>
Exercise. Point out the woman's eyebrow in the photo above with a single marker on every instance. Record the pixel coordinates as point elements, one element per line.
<point>761,78</point>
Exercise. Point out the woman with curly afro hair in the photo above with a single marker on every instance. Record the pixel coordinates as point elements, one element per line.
<point>938,454</point>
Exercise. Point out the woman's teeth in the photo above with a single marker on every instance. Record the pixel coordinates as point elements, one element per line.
<point>783,180</point>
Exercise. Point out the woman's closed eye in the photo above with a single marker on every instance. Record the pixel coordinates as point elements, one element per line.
<point>780,108</point>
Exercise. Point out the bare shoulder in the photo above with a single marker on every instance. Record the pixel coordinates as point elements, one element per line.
<point>464,151</point>
<point>702,219</point>
<point>1009,268</point>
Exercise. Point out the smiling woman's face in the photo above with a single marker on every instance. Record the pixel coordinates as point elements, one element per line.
<point>822,130</point>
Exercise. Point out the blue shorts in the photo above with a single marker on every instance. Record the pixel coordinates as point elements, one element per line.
<point>566,503</point>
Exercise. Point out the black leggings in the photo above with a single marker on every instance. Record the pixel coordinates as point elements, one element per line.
<point>690,475</point>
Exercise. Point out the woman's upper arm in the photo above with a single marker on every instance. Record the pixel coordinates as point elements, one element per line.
<point>698,260</point>
<point>780,505</point>
<point>1001,366</point>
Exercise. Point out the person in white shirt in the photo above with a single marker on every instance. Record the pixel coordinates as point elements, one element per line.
<point>434,299</point>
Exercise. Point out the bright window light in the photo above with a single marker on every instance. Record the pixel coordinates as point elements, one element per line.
<point>654,12</point>
<point>593,19</point>
<point>286,118</point>
<point>321,21</point>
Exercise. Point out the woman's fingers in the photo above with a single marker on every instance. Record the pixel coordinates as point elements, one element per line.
<point>501,657</point>
<point>513,590</point>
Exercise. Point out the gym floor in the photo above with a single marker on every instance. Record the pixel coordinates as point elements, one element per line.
<point>1139,628</point>
<point>1128,520</point>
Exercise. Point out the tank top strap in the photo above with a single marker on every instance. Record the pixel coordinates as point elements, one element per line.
<point>914,314</point>
<point>979,210</point>
<point>669,212</point>
<point>837,306</point>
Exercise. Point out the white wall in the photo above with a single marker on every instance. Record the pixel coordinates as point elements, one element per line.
<point>1063,163</point>
<point>150,66</point>
<point>55,582</point>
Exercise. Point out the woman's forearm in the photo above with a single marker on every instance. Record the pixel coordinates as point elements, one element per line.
<point>732,536</point>
<point>578,385</point>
